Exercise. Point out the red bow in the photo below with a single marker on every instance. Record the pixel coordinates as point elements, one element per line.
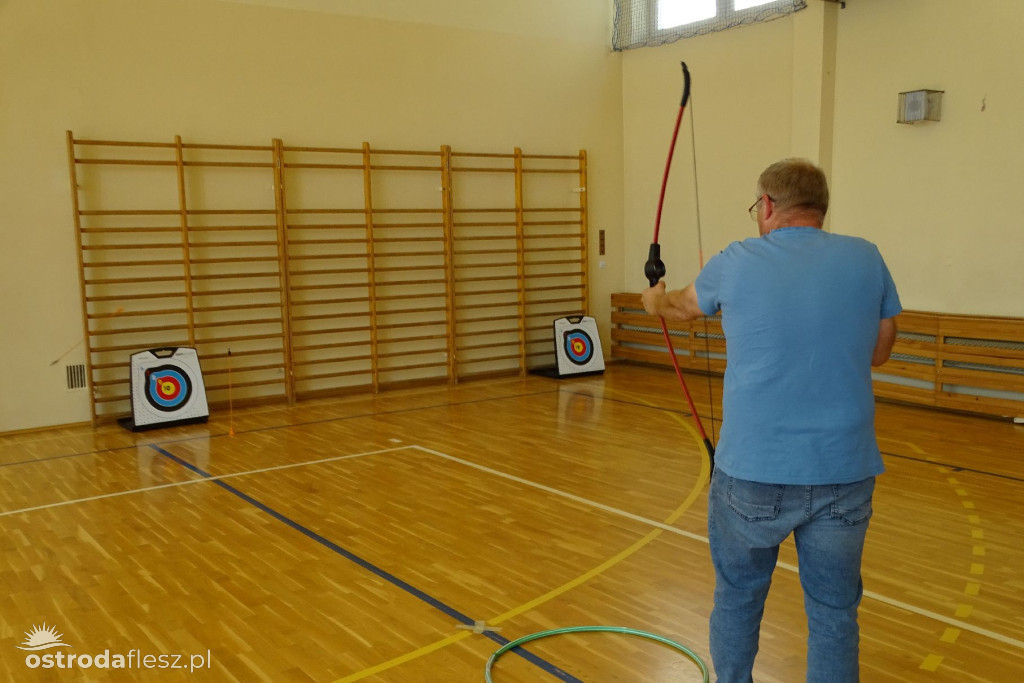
<point>654,269</point>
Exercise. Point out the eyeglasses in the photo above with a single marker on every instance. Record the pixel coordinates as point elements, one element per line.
<point>753,207</point>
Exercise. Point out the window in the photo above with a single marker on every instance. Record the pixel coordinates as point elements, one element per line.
<point>747,4</point>
<point>672,13</point>
<point>640,23</point>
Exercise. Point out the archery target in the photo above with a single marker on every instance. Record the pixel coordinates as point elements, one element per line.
<point>167,388</point>
<point>578,346</point>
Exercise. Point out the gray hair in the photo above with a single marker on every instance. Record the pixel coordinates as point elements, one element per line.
<point>795,183</point>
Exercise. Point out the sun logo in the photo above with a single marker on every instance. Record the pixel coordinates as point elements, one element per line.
<point>42,638</point>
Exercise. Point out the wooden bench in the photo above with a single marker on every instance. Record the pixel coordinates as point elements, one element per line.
<point>956,362</point>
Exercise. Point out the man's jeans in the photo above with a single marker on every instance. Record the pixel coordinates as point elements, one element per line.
<point>746,523</point>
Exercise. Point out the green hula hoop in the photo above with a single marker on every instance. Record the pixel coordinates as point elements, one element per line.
<point>608,629</point>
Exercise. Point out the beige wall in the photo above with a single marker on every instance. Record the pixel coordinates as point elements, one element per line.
<point>243,73</point>
<point>740,118</point>
<point>941,199</point>
<point>760,93</point>
<point>938,198</point>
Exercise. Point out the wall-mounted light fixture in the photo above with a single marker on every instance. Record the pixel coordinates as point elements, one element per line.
<point>919,105</point>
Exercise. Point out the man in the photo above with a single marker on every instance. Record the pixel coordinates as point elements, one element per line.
<point>806,313</point>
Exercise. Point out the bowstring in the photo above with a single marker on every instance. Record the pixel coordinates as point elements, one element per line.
<point>700,256</point>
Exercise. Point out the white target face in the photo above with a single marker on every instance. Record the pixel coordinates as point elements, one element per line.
<point>167,387</point>
<point>577,346</point>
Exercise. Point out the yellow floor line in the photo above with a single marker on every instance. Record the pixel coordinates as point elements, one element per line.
<point>425,650</point>
<point>551,595</point>
<point>912,446</point>
<point>963,610</point>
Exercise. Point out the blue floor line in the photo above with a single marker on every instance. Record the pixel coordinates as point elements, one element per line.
<point>390,578</point>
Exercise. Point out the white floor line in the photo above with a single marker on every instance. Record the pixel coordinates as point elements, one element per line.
<point>198,480</point>
<point>703,539</point>
<point>526,482</point>
<point>563,494</point>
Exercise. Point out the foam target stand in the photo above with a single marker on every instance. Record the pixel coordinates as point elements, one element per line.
<point>577,348</point>
<point>166,389</point>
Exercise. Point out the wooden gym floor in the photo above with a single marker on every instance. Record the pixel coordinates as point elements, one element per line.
<point>361,538</point>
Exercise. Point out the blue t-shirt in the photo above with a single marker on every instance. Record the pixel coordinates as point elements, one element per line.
<point>800,310</point>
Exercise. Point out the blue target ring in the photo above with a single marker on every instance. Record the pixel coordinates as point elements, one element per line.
<point>168,388</point>
<point>579,347</point>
